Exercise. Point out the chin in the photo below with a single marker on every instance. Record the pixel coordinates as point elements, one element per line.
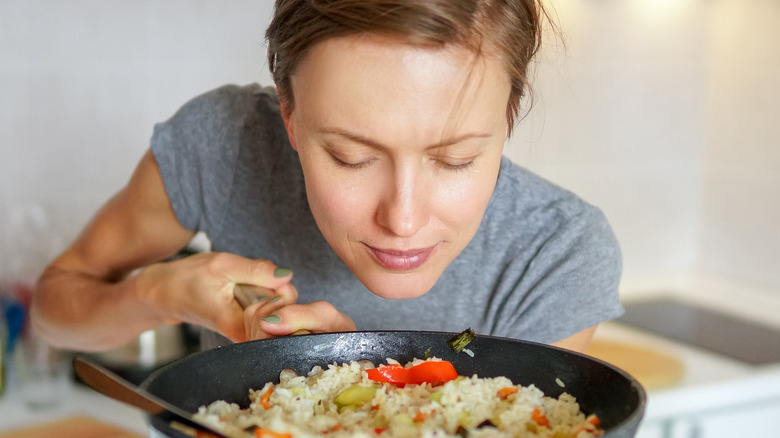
<point>398,286</point>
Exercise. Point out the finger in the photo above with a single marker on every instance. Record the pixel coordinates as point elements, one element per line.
<point>288,292</point>
<point>251,271</point>
<point>231,325</point>
<point>256,312</point>
<point>316,317</point>
<point>267,300</point>
<point>259,300</point>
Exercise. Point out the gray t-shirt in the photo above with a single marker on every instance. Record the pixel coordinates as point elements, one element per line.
<point>542,266</point>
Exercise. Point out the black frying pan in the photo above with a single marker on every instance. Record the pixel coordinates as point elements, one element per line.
<point>227,373</point>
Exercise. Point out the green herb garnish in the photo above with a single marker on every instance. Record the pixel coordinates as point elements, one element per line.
<point>459,342</point>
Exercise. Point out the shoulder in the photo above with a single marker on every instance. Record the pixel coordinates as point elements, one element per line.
<point>542,221</point>
<point>229,100</point>
<point>220,117</point>
<point>521,195</point>
<point>548,250</point>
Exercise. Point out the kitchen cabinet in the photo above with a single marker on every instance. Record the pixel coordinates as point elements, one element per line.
<point>756,420</point>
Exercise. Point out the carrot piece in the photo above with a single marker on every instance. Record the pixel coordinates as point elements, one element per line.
<point>503,393</point>
<point>420,417</point>
<point>265,398</point>
<point>591,424</point>
<point>265,433</point>
<point>539,418</point>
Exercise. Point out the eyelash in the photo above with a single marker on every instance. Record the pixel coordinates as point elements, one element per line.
<point>359,165</point>
<point>455,167</point>
<point>461,167</point>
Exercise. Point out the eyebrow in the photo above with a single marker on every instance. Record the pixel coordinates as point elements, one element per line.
<point>378,145</point>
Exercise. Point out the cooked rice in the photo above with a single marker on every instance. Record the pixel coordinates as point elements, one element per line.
<point>303,406</point>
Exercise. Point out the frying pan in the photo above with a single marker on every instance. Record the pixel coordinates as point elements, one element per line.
<point>227,373</point>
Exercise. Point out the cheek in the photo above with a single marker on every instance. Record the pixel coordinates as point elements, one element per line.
<point>338,207</point>
<point>462,201</point>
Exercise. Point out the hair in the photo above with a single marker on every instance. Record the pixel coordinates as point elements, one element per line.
<point>511,28</point>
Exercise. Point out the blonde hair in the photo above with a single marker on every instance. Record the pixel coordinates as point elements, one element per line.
<point>512,28</point>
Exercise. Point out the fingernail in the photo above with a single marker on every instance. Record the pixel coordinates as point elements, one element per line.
<point>275,299</point>
<point>273,319</point>
<point>258,298</point>
<point>282,272</point>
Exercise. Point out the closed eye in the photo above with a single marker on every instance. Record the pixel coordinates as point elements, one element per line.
<point>455,167</point>
<point>349,165</point>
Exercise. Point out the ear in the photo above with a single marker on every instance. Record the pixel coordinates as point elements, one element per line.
<point>286,116</point>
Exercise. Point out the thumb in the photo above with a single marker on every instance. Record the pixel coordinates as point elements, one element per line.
<point>315,317</point>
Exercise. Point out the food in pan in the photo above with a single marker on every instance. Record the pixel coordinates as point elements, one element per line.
<point>425,398</point>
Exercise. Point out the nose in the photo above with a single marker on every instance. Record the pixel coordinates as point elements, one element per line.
<point>404,206</point>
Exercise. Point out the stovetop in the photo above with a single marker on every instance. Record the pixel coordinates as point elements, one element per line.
<point>729,335</point>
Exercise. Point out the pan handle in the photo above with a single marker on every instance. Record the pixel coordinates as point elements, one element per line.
<point>248,294</point>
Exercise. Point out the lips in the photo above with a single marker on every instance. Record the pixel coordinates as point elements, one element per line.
<point>398,260</point>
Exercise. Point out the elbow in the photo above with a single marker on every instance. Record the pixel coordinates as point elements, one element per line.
<point>39,314</point>
<point>46,309</point>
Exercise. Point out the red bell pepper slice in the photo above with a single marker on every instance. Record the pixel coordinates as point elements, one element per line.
<point>433,372</point>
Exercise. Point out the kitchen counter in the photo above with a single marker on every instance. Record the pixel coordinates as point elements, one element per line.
<point>715,396</point>
<point>711,387</point>
<point>78,400</point>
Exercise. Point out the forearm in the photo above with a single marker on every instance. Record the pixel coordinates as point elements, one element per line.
<point>579,341</point>
<point>75,311</point>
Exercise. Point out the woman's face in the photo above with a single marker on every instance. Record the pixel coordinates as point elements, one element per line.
<point>400,148</point>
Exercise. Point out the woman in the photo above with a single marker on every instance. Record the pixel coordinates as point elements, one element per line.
<point>374,165</point>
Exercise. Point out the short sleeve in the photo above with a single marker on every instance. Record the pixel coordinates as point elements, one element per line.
<point>570,284</point>
<point>196,151</point>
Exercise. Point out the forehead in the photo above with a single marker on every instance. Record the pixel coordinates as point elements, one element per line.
<point>380,83</point>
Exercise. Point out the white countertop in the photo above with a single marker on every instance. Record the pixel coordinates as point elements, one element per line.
<point>77,400</point>
<point>709,381</point>
<point>712,385</point>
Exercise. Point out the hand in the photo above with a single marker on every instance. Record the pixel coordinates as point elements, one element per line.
<point>199,290</point>
<point>263,321</point>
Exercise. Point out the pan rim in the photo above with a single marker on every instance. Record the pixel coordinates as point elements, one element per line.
<point>627,424</point>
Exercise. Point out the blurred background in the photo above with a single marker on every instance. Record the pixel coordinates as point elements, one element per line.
<point>664,113</point>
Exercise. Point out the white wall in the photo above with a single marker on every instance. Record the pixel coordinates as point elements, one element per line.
<point>741,204</point>
<point>666,113</point>
<point>82,83</point>
<point>662,112</point>
<point>619,120</point>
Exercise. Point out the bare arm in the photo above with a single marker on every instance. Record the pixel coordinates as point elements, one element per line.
<point>577,342</point>
<point>86,301</point>
<point>80,300</point>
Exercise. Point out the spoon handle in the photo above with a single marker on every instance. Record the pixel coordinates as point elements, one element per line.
<point>248,294</point>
